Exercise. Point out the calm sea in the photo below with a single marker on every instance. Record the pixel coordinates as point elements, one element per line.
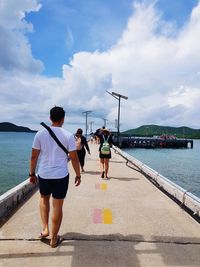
<point>15,150</point>
<point>179,165</point>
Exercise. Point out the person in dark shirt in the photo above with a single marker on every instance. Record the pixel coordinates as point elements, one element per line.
<point>81,144</point>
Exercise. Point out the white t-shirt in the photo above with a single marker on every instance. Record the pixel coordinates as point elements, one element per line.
<point>53,160</point>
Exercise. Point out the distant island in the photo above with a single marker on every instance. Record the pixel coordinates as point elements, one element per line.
<point>145,130</point>
<point>10,127</point>
<point>155,130</point>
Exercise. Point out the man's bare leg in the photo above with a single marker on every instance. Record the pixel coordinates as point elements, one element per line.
<point>56,219</point>
<point>44,213</point>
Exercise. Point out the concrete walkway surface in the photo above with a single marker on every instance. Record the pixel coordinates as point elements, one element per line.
<point>124,221</point>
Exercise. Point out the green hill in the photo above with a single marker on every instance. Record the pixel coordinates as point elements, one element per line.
<point>10,127</point>
<point>151,130</point>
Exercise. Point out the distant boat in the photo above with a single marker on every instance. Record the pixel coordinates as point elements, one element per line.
<point>168,137</point>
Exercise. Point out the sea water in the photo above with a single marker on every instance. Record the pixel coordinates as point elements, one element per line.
<point>15,151</point>
<point>179,165</point>
<point>182,166</point>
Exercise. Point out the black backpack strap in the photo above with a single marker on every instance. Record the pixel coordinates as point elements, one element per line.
<point>54,137</point>
<point>106,139</point>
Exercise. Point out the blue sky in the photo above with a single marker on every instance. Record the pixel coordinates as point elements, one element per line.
<point>75,26</point>
<point>80,25</point>
<point>69,52</point>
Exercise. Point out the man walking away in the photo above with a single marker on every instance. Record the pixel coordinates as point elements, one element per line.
<point>53,174</point>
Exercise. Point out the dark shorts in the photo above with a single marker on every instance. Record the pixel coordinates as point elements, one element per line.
<point>101,156</point>
<point>57,187</point>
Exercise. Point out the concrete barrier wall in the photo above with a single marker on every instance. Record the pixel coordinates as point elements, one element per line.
<point>181,195</point>
<point>12,198</point>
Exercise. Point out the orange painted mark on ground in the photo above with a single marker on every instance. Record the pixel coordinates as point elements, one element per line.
<point>103,186</point>
<point>107,216</point>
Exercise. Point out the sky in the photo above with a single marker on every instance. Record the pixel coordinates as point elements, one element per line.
<point>71,53</point>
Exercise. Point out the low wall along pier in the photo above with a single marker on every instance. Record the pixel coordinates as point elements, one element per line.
<point>180,195</point>
<point>15,196</point>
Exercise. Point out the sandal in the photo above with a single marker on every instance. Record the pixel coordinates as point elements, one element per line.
<point>57,243</point>
<point>42,236</point>
<point>102,175</point>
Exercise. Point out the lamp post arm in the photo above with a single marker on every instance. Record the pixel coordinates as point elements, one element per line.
<point>118,97</point>
<point>112,95</point>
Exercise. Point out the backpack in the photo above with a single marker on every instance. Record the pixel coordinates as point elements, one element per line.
<point>105,148</point>
<point>79,146</point>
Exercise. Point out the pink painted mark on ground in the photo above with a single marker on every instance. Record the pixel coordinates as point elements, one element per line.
<point>97,186</point>
<point>97,216</point>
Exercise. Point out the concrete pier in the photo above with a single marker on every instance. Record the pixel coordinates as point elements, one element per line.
<point>122,221</point>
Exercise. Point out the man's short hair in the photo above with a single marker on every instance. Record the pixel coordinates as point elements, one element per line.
<point>57,114</point>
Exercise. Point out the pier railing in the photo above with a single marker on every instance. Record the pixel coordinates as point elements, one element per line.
<point>180,195</point>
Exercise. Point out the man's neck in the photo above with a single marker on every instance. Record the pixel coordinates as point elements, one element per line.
<point>57,124</point>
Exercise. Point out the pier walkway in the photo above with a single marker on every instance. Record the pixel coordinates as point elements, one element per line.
<point>122,222</point>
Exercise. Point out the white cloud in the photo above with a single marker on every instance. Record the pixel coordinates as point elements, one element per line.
<point>153,63</point>
<point>12,13</point>
<point>188,97</point>
<point>15,50</point>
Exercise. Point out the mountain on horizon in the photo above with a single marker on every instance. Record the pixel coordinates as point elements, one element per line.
<point>10,127</point>
<point>152,130</point>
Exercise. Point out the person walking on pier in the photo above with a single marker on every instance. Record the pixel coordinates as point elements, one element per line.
<point>81,144</point>
<point>105,151</point>
<point>53,174</point>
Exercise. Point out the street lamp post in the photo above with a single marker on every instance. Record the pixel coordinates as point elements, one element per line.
<point>86,123</point>
<point>91,122</point>
<point>104,122</point>
<point>118,97</point>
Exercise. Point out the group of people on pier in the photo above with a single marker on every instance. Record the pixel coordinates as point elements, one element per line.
<point>55,146</point>
<point>104,139</point>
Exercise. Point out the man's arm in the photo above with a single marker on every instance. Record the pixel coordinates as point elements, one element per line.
<point>76,166</point>
<point>33,163</point>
